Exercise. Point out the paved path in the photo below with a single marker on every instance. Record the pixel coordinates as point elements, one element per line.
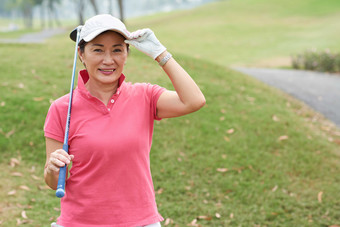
<point>321,91</point>
<point>38,37</point>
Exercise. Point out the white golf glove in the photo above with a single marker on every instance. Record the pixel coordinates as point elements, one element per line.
<point>146,41</point>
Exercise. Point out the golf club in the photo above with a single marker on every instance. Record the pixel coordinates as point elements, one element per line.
<point>60,192</point>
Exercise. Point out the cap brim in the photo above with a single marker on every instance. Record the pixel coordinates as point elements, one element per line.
<point>73,34</point>
<point>88,38</point>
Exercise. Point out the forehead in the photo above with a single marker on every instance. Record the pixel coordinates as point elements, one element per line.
<point>108,36</point>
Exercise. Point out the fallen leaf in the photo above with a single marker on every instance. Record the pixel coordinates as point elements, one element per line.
<point>230,131</point>
<point>17,174</point>
<point>320,197</point>
<point>168,221</point>
<point>14,162</point>
<point>231,215</point>
<point>160,191</point>
<point>2,104</point>
<point>21,85</point>
<point>224,156</point>
<point>284,137</point>
<point>218,215</point>
<point>38,99</point>
<point>24,187</point>
<point>35,177</point>
<point>8,134</point>
<point>23,215</point>
<point>19,222</point>
<point>223,111</point>
<point>193,223</point>
<point>43,187</point>
<point>12,192</point>
<point>222,118</point>
<point>250,99</point>
<point>222,170</point>
<point>226,138</point>
<point>203,217</point>
<point>275,188</point>
<point>275,118</point>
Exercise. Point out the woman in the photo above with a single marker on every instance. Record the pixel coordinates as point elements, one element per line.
<point>111,129</point>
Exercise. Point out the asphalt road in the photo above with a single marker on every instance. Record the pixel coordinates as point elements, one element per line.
<point>321,91</point>
<point>38,37</point>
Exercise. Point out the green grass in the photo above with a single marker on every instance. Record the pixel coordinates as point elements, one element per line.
<point>244,177</point>
<point>248,31</point>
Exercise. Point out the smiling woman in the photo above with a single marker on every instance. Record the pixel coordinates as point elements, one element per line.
<point>111,130</point>
<point>104,58</point>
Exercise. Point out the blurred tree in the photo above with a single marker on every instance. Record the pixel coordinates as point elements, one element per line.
<point>80,6</point>
<point>26,8</point>
<point>53,13</point>
<point>121,10</point>
<point>94,6</point>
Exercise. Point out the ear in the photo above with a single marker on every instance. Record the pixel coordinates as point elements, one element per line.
<point>81,55</point>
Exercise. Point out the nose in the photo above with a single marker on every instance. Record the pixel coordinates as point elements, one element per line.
<point>108,59</point>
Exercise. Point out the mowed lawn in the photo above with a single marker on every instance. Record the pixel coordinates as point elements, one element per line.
<point>252,156</point>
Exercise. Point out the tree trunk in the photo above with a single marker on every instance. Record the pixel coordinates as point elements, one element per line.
<point>121,10</point>
<point>94,5</point>
<point>80,11</point>
<point>28,15</point>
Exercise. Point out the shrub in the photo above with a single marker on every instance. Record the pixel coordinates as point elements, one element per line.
<point>324,61</point>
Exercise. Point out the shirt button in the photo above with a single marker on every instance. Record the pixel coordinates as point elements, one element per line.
<point>108,109</point>
<point>112,100</point>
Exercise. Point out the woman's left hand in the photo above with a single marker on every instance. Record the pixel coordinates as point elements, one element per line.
<point>146,41</point>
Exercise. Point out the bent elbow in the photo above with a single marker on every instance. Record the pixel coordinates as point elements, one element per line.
<point>199,104</point>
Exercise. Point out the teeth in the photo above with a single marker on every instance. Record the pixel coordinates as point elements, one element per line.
<point>107,70</point>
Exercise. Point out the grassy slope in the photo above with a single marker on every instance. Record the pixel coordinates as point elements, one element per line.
<point>269,182</point>
<point>242,32</point>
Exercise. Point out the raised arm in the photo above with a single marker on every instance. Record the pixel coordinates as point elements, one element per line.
<point>187,96</point>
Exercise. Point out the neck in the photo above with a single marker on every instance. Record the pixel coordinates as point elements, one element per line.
<point>102,92</point>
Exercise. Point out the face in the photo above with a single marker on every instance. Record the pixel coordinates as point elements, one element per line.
<point>105,57</point>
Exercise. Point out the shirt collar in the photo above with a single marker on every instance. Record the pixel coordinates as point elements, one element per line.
<point>83,77</point>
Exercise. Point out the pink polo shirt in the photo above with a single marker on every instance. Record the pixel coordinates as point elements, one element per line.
<point>110,181</point>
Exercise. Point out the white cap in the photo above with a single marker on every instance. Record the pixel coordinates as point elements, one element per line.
<point>99,24</point>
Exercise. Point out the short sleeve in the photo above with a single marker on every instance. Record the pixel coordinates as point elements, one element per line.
<point>154,92</point>
<point>53,127</point>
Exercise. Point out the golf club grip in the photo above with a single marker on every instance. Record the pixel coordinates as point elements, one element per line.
<point>60,192</point>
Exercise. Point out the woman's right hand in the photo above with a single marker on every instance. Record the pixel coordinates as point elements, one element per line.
<point>58,159</point>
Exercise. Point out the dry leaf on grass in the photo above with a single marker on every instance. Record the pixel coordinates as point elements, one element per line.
<point>222,170</point>
<point>23,215</point>
<point>275,118</point>
<point>13,192</point>
<point>230,131</point>
<point>35,177</point>
<point>203,217</point>
<point>320,197</point>
<point>38,99</point>
<point>284,137</point>
<point>24,187</point>
<point>17,174</point>
<point>168,221</point>
<point>14,162</point>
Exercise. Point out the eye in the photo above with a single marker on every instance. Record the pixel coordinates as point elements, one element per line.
<point>117,50</point>
<point>97,50</point>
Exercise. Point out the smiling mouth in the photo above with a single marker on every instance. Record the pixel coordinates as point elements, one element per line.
<point>107,70</point>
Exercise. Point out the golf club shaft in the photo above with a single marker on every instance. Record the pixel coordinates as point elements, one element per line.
<point>60,192</point>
